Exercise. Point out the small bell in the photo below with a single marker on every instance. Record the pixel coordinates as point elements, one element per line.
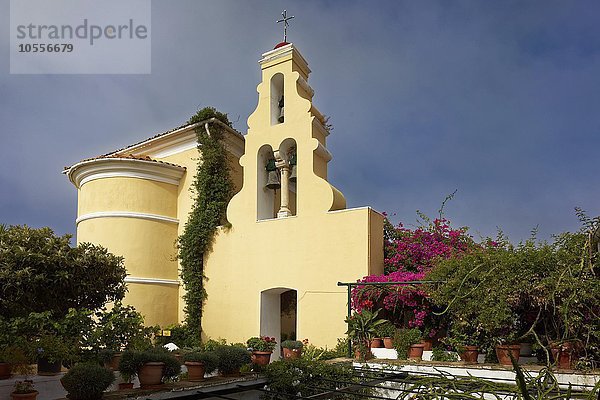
<point>280,119</point>
<point>273,181</point>
<point>293,168</point>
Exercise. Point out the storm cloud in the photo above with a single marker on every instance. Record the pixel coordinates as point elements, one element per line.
<point>497,100</point>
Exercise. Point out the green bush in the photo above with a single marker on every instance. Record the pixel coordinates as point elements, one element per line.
<point>440,354</point>
<point>181,335</point>
<point>292,344</point>
<point>87,381</point>
<point>314,353</point>
<point>131,362</point>
<point>386,330</point>
<point>121,328</point>
<point>208,358</point>
<point>302,377</point>
<point>403,339</point>
<point>53,349</point>
<point>536,290</point>
<point>263,343</point>
<point>129,365</point>
<point>212,344</point>
<point>57,276</point>
<point>231,358</point>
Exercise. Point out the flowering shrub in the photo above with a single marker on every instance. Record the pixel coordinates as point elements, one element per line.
<point>416,250</point>
<point>263,343</point>
<point>409,256</point>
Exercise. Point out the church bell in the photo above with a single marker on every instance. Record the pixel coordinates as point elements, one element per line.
<point>273,181</point>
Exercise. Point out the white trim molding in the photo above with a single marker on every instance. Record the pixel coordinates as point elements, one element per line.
<point>188,140</point>
<point>184,139</point>
<point>99,168</point>
<point>126,214</point>
<point>152,281</point>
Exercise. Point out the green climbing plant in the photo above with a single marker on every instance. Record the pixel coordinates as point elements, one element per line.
<point>212,188</point>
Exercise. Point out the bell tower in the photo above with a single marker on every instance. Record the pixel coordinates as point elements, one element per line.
<point>285,162</point>
<point>274,270</point>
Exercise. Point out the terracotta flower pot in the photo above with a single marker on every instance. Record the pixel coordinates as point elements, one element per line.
<point>469,354</point>
<point>503,352</point>
<point>428,344</point>
<point>358,355</point>
<point>151,374</point>
<point>261,357</point>
<point>24,396</point>
<point>376,343</point>
<point>388,342</point>
<point>113,364</point>
<point>566,356</point>
<point>292,354</point>
<point>196,370</point>
<point>415,351</point>
<point>125,385</point>
<point>5,370</point>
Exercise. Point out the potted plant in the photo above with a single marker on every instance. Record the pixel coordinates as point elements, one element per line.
<point>507,347</point>
<point>5,353</point>
<point>261,348</point>
<point>5,370</point>
<point>231,359</point>
<point>565,353</point>
<point>292,349</point>
<point>464,338</point>
<point>117,330</point>
<point>51,351</point>
<point>362,327</point>
<point>127,367</point>
<point>24,390</point>
<point>151,366</point>
<point>87,381</point>
<point>387,331</point>
<point>199,363</point>
<point>407,343</point>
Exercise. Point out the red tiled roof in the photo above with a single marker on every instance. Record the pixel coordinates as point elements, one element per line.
<point>127,156</point>
<point>118,154</point>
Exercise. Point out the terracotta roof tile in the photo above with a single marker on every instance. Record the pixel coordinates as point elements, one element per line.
<point>128,156</point>
<point>118,153</point>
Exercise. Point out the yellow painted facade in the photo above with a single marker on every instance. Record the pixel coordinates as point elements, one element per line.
<point>137,208</point>
<point>263,254</point>
<point>299,237</point>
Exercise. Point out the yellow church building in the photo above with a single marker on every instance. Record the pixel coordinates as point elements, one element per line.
<point>275,270</point>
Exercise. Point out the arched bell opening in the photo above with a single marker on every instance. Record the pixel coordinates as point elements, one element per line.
<point>279,316</point>
<point>268,181</point>
<point>277,99</point>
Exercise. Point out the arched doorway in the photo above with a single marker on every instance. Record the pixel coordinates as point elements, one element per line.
<point>279,315</point>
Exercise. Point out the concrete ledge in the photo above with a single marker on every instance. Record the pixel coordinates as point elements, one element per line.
<point>50,388</point>
<point>492,372</point>
<point>390,354</point>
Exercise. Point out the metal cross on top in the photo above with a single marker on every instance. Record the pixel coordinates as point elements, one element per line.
<point>285,20</point>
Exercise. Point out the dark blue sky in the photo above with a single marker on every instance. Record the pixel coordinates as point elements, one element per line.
<point>499,100</point>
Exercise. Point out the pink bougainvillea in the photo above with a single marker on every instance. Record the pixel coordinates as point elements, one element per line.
<point>416,249</point>
<point>409,255</point>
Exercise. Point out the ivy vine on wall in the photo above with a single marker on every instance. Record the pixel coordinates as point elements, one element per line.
<point>212,188</point>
